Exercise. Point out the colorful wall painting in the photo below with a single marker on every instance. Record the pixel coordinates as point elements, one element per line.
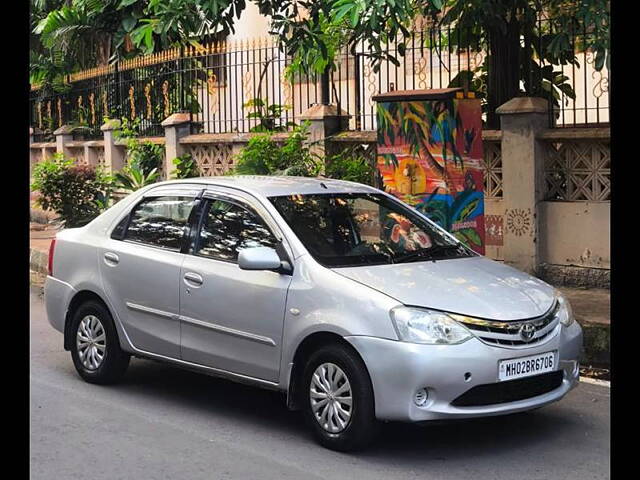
<point>429,154</point>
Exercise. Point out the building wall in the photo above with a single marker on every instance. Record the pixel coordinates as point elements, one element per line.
<point>251,24</point>
<point>576,234</point>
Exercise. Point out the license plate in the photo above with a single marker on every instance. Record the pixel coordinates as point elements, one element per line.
<point>526,366</point>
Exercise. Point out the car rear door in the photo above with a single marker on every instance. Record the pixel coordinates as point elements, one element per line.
<point>232,319</point>
<point>140,268</point>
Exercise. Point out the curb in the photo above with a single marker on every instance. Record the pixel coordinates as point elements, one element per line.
<point>595,381</point>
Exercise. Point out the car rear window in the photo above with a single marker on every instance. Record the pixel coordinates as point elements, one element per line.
<point>160,221</point>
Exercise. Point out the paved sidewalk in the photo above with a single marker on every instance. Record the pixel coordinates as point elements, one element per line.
<point>590,305</point>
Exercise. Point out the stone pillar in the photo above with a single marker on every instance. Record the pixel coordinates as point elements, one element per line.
<point>63,135</point>
<point>90,154</point>
<point>114,156</point>
<point>34,154</point>
<point>175,126</point>
<point>521,119</point>
<point>325,120</point>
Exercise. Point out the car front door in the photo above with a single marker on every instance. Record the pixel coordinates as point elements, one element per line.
<point>140,269</point>
<point>232,319</point>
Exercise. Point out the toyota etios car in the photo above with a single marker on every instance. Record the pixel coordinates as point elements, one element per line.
<point>355,305</point>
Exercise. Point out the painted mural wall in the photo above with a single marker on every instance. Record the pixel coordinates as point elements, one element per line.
<point>430,156</point>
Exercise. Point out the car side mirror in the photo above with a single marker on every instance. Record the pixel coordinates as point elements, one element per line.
<point>259,258</point>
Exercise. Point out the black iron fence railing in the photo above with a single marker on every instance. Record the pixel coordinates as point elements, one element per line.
<point>241,86</point>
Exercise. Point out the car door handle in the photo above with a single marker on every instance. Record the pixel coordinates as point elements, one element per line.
<point>193,279</point>
<point>111,258</point>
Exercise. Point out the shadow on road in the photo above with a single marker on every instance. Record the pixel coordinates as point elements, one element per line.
<point>263,409</point>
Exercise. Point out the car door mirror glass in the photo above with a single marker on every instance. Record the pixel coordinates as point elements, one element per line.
<point>259,258</point>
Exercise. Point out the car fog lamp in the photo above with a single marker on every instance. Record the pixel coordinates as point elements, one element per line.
<point>421,397</point>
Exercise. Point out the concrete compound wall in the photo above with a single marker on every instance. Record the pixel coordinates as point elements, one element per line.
<point>576,234</point>
<point>567,240</point>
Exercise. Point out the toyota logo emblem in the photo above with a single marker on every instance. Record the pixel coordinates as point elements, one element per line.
<point>527,332</point>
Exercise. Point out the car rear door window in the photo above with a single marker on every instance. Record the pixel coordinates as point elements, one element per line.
<point>228,228</point>
<point>160,221</point>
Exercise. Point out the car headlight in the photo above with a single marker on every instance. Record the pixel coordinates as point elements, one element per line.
<point>418,325</point>
<point>565,313</point>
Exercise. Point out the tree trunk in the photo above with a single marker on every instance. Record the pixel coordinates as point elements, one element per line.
<point>103,50</point>
<point>503,81</point>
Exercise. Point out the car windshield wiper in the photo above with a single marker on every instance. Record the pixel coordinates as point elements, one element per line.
<point>427,252</point>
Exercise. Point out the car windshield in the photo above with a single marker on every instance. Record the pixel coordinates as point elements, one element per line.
<point>351,229</point>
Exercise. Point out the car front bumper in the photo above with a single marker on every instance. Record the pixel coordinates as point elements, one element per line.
<point>399,369</point>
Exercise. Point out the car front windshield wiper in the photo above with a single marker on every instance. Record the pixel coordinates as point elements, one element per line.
<point>429,252</point>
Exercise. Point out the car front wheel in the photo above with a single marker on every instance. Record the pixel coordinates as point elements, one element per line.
<point>339,406</point>
<point>95,350</point>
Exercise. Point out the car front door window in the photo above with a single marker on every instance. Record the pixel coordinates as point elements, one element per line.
<point>228,228</point>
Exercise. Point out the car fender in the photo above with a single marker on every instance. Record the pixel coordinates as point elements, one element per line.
<point>321,301</point>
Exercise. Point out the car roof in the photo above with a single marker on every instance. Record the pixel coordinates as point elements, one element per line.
<point>272,186</point>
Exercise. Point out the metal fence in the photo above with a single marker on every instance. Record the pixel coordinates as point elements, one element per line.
<point>234,86</point>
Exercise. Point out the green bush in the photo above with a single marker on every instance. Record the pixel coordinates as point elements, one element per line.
<point>76,193</point>
<point>263,156</point>
<point>186,167</point>
<point>350,164</point>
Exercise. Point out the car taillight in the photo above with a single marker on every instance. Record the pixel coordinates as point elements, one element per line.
<point>52,247</point>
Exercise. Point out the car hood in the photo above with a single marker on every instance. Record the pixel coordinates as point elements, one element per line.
<point>473,286</point>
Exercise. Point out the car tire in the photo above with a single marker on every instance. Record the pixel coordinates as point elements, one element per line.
<point>95,348</point>
<point>343,365</point>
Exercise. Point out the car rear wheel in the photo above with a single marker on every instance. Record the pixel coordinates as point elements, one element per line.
<point>95,349</point>
<point>339,404</point>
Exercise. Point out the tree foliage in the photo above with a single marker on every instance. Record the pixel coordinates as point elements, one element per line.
<point>87,32</point>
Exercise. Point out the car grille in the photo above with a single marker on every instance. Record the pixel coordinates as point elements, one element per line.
<point>508,333</point>
<point>509,391</point>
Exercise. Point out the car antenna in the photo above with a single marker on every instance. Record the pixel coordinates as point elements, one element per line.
<point>323,185</point>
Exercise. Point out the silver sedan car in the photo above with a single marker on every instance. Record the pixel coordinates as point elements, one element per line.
<point>350,302</point>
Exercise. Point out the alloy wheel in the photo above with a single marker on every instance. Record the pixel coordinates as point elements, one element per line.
<point>91,342</point>
<point>330,397</point>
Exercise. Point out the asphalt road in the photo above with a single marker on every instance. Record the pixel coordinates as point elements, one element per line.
<point>165,423</point>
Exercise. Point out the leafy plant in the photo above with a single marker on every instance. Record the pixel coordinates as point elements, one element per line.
<point>76,193</point>
<point>264,156</point>
<point>269,116</point>
<point>132,177</point>
<point>144,154</point>
<point>350,164</point>
<point>186,167</point>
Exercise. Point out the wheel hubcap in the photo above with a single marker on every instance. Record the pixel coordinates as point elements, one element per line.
<point>330,396</point>
<point>91,342</point>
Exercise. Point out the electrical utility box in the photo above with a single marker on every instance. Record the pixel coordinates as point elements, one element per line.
<point>429,155</point>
